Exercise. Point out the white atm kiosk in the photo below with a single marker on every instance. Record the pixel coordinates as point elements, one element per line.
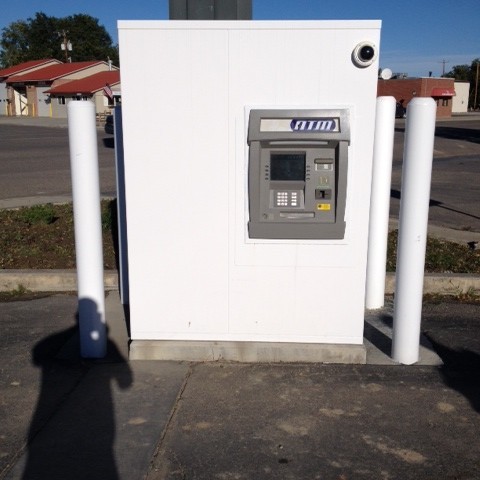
<point>247,151</point>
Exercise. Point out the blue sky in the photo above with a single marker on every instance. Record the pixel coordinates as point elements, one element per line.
<point>417,35</point>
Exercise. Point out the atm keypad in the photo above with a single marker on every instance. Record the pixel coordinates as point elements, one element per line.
<point>286,198</point>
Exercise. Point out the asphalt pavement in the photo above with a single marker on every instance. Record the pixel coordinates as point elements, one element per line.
<point>35,162</point>
<point>68,418</point>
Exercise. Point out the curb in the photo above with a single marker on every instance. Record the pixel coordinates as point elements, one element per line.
<point>49,280</point>
<point>442,284</point>
<point>66,281</point>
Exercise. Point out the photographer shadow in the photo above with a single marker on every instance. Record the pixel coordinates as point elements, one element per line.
<point>461,371</point>
<point>72,432</point>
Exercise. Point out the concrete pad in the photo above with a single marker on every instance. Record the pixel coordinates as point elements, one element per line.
<point>117,322</point>
<point>117,328</point>
<point>378,331</point>
<point>378,342</point>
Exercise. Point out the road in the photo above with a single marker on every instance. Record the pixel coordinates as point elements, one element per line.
<point>453,138</point>
<point>455,190</point>
<point>35,162</point>
<point>34,165</point>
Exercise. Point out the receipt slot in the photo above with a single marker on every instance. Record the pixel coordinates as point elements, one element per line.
<point>297,173</point>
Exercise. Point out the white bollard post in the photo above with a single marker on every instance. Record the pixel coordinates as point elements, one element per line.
<point>380,202</point>
<point>82,136</point>
<point>412,230</point>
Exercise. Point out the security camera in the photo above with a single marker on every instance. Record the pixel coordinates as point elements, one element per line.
<point>364,54</point>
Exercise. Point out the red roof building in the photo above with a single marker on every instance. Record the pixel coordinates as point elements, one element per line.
<point>54,72</point>
<point>88,88</point>
<point>28,90</point>
<point>26,67</point>
<point>87,85</point>
<point>7,103</point>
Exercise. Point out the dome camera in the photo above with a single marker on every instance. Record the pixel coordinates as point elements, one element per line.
<point>364,54</point>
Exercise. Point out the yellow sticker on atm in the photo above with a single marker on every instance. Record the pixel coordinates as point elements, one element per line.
<point>323,206</point>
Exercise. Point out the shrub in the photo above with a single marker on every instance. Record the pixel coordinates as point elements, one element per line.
<point>38,214</point>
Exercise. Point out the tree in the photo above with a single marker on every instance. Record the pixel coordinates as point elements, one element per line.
<point>90,40</point>
<point>42,36</point>
<point>468,73</point>
<point>42,41</point>
<point>460,73</point>
<point>14,44</point>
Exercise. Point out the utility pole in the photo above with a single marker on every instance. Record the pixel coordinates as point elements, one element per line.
<point>443,62</point>
<point>66,44</point>
<point>476,88</point>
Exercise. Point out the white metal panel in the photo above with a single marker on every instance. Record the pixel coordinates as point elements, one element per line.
<point>176,214</point>
<point>298,304</point>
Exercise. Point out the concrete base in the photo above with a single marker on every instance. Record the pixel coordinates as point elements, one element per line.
<point>378,341</point>
<point>195,351</point>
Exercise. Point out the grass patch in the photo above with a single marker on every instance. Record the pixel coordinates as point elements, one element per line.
<point>441,256</point>
<point>38,214</point>
<point>43,237</point>
<point>471,297</point>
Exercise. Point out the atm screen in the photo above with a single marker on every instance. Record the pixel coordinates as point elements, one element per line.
<point>287,166</point>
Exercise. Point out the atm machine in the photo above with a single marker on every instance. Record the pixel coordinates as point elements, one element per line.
<point>297,173</point>
<point>248,150</point>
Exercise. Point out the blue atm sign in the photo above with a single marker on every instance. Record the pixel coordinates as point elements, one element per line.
<point>314,125</point>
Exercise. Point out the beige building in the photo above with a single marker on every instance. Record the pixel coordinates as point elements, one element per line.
<point>460,100</point>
